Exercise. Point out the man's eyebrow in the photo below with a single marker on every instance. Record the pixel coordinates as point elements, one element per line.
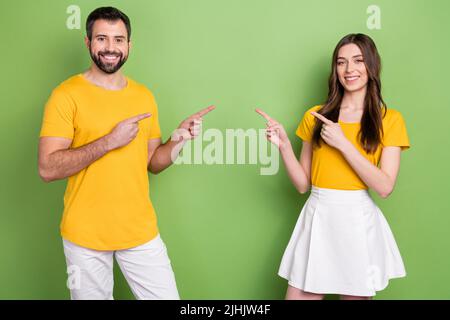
<point>104,35</point>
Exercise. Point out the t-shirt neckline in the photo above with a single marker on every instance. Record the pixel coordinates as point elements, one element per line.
<point>104,89</point>
<point>340,122</point>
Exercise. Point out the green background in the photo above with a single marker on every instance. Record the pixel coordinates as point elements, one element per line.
<point>226,226</point>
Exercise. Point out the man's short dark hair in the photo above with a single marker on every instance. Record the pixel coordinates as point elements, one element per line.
<point>106,13</point>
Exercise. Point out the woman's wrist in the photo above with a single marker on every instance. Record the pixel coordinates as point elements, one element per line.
<point>283,147</point>
<point>346,147</point>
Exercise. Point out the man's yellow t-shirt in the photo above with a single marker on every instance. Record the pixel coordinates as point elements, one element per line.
<point>329,169</point>
<point>107,204</point>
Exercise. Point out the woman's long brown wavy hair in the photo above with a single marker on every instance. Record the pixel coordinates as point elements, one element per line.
<point>371,125</point>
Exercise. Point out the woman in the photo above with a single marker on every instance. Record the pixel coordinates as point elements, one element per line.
<point>342,243</point>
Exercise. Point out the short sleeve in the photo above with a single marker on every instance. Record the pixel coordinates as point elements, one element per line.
<point>155,130</point>
<point>395,134</point>
<point>306,127</point>
<point>58,116</point>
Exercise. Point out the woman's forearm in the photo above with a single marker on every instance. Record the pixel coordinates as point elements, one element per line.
<point>370,174</point>
<point>296,172</point>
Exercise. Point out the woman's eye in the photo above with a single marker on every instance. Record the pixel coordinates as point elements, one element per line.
<point>340,63</point>
<point>360,61</point>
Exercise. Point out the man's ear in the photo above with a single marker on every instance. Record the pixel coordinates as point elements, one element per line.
<point>129,45</point>
<point>87,41</point>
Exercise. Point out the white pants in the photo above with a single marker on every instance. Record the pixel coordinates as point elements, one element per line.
<point>146,268</point>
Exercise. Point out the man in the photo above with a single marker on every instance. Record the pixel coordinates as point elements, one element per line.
<point>100,130</point>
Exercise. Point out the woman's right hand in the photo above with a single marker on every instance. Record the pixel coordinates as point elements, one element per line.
<point>275,132</point>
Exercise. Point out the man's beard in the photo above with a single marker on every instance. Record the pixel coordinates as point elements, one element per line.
<point>108,68</point>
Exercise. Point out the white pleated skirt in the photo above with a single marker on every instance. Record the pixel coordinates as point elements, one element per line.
<point>341,244</point>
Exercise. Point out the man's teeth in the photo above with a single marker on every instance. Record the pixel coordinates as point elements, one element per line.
<point>109,57</point>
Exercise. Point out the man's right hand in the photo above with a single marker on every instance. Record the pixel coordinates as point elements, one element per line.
<point>125,131</point>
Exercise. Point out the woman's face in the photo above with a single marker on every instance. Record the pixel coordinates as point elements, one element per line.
<point>351,68</point>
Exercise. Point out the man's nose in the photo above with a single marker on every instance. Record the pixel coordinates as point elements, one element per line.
<point>110,45</point>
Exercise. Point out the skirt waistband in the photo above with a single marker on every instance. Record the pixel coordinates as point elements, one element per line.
<point>340,196</point>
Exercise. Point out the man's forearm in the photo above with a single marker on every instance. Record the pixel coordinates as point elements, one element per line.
<point>65,163</point>
<point>165,155</point>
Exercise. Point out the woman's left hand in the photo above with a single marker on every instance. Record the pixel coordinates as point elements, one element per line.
<point>332,132</point>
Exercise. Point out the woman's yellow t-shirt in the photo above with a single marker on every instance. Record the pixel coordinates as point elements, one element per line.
<point>107,204</point>
<point>329,169</point>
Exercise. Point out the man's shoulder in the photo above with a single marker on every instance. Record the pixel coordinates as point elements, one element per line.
<point>140,87</point>
<point>69,84</point>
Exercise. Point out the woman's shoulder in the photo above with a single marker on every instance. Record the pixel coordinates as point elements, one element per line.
<point>315,108</point>
<point>391,115</point>
<point>308,115</point>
